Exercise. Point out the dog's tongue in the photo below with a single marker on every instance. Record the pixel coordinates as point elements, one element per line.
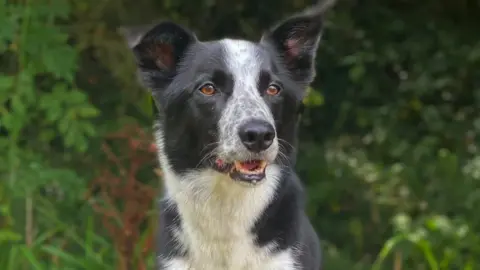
<point>250,165</point>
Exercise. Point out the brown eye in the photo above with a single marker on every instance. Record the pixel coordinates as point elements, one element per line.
<point>208,89</point>
<point>273,90</point>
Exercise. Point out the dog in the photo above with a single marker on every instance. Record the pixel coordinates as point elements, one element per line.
<point>226,134</point>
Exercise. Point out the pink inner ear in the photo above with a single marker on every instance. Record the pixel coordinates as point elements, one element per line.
<point>164,55</point>
<point>293,47</point>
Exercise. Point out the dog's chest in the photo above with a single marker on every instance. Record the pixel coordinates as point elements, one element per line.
<point>233,254</point>
<point>228,261</point>
<point>216,222</point>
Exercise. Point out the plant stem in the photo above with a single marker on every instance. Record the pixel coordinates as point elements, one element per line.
<point>29,220</point>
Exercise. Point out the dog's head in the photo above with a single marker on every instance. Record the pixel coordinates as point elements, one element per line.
<point>228,105</point>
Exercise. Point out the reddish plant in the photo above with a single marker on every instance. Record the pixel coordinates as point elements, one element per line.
<point>121,199</point>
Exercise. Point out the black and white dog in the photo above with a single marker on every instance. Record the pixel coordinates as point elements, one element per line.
<point>229,111</point>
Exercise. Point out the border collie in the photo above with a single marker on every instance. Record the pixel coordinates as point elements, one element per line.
<point>228,117</point>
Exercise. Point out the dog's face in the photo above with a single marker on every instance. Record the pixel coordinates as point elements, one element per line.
<point>228,105</point>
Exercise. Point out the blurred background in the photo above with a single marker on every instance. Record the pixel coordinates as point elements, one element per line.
<point>389,147</point>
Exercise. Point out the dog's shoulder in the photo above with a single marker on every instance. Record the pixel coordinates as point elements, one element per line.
<point>169,225</point>
<point>281,220</point>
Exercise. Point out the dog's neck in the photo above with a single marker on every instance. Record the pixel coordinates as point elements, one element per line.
<point>208,200</point>
<point>217,214</point>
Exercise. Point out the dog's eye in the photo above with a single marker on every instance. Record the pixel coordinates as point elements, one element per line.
<point>273,90</point>
<point>208,89</point>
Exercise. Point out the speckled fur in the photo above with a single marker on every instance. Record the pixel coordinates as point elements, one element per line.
<point>245,103</point>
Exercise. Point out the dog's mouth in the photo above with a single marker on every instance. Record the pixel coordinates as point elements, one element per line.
<point>250,171</point>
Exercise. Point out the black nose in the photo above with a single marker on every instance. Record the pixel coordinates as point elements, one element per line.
<point>256,135</point>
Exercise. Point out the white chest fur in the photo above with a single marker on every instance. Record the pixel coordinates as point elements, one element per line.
<point>217,215</point>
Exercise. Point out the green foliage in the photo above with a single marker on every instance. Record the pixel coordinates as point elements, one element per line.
<point>38,85</point>
<point>398,140</point>
<point>39,104</point>
<point>389,147</point>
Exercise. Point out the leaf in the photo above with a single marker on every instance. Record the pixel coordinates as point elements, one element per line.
<point>12,258</point>
<point>313,98</point>
<point>147,105</point>
<point>427,252</point>
<point>87,111</point>
<point>9,236</point>
<point>474,55</point>
<point>28,254</point>
<point>76,97</point>
<point>356,73</point>
<point>60,8</point>
<point>63,125</point>
<point>6,82</point>
<point>386,250</point>
<point>88,129</point>
<point>54,251</point>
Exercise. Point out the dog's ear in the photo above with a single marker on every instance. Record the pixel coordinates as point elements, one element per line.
<point>296,40</point>
<point>159,47</point>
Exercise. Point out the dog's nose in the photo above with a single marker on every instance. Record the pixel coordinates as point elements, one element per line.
<point>256,135</point>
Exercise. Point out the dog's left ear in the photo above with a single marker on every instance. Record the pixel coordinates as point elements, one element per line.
<point>296,39</point>
<point>158,47</point>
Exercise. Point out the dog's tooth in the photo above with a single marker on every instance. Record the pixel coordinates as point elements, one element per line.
<point>254,182</point>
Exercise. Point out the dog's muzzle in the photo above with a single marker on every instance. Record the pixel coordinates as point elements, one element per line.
<point>256,139</point>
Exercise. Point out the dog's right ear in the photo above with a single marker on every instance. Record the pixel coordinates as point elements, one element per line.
<point>159,47</point>
<point>296,39</point>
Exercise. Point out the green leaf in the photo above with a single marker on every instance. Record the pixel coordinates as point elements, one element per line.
<point>87,111</point>
<point>147,105</point>
<point>386,250</point>
<point>67,258</point>
<point>9,236</point>
<point>61,62</point>
<point>13,263</point>
<point>77,97</point>
<point>356,73</point>
<point>6,82</point>
<point>313,98</point>
<point>31,259</point>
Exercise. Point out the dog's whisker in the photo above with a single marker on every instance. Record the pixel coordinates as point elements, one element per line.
<point>285,143</point>
<point>283,159</point>
<point>205,157</point>
<point>212,144</point>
